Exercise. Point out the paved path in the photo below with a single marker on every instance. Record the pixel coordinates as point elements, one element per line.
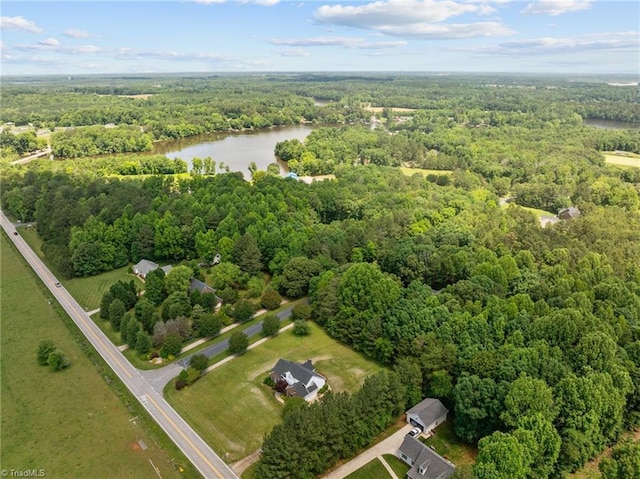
<point>386,465</point>
<point>205,460</point>
<point>27,159</point>
<point>388,446</point>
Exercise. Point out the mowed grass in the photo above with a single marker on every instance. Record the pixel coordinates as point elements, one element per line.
<point>423,171</point>
<point>448,445</point>
<point>622,158</point>
<point>232,409</point>
<point>86,291</point>
<point>70,423</point>
<point>399,467</point>
<point>371,470</point>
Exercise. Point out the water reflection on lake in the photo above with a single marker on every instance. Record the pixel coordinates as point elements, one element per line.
<point>235,150</point>
<point>611,124</point>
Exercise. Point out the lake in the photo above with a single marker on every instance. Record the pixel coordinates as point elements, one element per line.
<point>611,124</point>
<point>235,150</point>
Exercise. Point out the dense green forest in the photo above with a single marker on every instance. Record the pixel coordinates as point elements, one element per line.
<point>529,335</point>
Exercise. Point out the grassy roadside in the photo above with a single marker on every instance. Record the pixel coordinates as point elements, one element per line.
<point>75,422</point>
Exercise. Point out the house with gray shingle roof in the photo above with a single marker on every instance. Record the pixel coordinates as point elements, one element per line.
<point>302,379</point>
<point>569,213</point>
<point>425,462</point>
<point>427,414</point>
<point>144,267</point>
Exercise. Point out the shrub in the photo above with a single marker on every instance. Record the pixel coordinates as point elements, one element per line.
<point>45,348</point>
<point>58,361</point>
<point>180,384</point>
<point>199,362</point>
<point>172,345</point>
<point>301,328</point>
<point>238,343</point>
<point>270,299</point>
<point>270,325</point>
<point>269,382</point>
<point>243,311</point>
<point>301,311</point>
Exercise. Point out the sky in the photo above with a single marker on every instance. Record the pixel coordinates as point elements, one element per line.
<point>120,36</point>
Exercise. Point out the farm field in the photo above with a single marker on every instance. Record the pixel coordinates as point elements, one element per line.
<point>423,171</point>
<point>232,409</point>
<point>69,423</point>
<point>622,158</point>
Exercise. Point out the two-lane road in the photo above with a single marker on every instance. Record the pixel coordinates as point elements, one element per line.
<point>189,442</point>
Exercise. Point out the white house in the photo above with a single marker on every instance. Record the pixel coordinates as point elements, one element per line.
<point>427,414</point>
<point>302,379</point>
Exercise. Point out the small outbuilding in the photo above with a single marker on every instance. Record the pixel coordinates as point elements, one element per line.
<point>427,414</point>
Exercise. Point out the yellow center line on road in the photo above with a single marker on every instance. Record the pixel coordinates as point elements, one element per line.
<point>184,436</point>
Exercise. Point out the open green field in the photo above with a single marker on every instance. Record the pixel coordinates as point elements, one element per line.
<point>399,467</point>
<point>232,409</point>
<point>371,470</point>
<point>622,158</point>
<point>423,171</point>
<point>86,291</point>
<point>70,423</point>
<point>448,445</point>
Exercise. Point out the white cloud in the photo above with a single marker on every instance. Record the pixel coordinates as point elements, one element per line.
<point>393,12</point>
<point>266,3</point>
<point>53,45</point>
<point>74,33</point>
<point>556,7</point>
<point>417,18</point>
<point>607,42</point>
<point>49,42</point>
<point>451,31</point>
<point>347,42</point>
<point>293,52</point>
<point>19,23</point>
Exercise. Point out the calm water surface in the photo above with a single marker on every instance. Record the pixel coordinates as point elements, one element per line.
<point>235,150</point>
<point>611,124</point>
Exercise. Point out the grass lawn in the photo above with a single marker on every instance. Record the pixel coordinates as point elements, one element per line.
<point>424,172</point>
<point>69,423</point>
<point>448,445</point>
<point>622,158</point>
<point>399,467</point>
<point>232,409</point>
<point>371,470</point>
<point>86,291</point>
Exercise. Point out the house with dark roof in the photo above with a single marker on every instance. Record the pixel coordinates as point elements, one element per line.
<point>144,267</point>
<point>197,285</point>
<point>302,379</point>
<point>569,213</point>
<point>427,414</point>
<point>425,462</point>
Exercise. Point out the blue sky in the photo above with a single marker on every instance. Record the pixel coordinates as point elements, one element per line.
<point>77,37</point>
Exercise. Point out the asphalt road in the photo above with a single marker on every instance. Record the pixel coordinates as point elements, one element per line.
<point>189,442</point>
<point>217,348</point>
